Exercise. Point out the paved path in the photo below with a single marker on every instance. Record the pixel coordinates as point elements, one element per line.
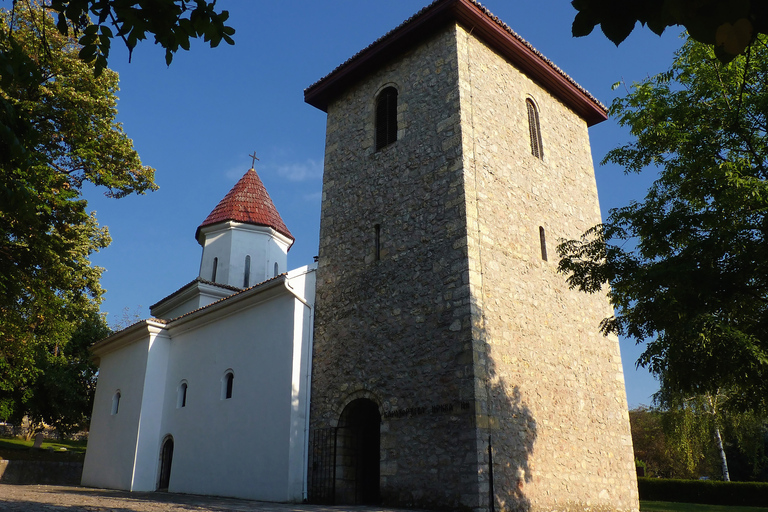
<point>52,498</point>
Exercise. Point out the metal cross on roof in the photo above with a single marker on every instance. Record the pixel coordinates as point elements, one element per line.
<point>253,163</point>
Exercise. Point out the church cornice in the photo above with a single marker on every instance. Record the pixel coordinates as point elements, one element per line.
<point>483,25</point>
<point>131,334</point>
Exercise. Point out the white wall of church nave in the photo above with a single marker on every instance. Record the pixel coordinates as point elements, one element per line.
<point>238,446</point>
<point>112,441</point>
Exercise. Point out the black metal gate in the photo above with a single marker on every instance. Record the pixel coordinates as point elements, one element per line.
<point>323,466</point>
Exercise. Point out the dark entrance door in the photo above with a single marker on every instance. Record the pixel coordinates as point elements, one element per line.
<point>357,454</point>
<point>166,458</point>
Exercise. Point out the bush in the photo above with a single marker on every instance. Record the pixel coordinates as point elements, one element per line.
<point>703,491</point>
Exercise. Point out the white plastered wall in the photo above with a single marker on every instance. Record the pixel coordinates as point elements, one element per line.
<point>240,446</point>
<point>231,242</point>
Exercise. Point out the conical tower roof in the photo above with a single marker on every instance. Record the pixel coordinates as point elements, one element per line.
<point>248,202</point>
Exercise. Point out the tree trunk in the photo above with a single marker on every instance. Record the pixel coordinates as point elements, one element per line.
<point>721,451</point>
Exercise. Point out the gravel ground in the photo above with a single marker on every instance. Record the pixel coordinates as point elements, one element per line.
<point>52,498</point>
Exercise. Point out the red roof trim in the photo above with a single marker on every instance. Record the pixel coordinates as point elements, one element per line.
<point>484,25</point>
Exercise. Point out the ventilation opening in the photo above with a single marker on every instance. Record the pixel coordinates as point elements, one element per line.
<point>543,242</point>
<point>215,266</point>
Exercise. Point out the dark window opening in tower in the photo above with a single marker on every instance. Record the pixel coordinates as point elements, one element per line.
<point>377,242</point>
<point>215,265</point>
<point>543,241</point>
<point>534,129</point>
<point>386,118</point>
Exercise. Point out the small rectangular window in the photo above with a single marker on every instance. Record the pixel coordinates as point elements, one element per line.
<point>543,241</point>
<point>377,242</point>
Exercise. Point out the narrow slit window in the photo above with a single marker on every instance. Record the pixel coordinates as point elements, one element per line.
<point>386,118</point>
<point>115,402</point>
<point>247,275</point>
<point>535,130</point>
<point>277,269</point>
<point>215,266</point>
<point>377,242</point>
<point>543,242</point>
<point>182,400</point>
<point>227,384</point>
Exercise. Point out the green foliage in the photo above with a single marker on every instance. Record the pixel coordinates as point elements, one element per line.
<point>688,265</point>
<point>703,491</point>
<point>656,438</point>
<point>63,133</point>
<point>62,395</point>
<point>729,25</point>
<point>172,23</point>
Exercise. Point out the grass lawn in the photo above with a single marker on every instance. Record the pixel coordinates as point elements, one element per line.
<point>18,449</point>
<point>667,506</point>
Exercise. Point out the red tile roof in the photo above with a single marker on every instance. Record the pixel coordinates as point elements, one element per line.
<point>482,24</point>
<point>247,202</point>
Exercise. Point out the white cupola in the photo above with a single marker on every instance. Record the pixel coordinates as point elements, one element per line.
<point>245,242</point>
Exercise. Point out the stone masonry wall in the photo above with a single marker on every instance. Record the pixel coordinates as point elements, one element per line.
<point>397,330</point>
<point>553,401</point>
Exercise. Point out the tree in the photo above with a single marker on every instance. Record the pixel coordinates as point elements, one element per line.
<point>650,442</point>
<point>688,265</point>
<point>692,422</point>
<point>62,395</point>
<point>67,117</point>
<point>730,25</point>
<point>172,23</point>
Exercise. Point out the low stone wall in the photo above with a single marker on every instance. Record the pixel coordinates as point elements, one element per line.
<point>33,472</point>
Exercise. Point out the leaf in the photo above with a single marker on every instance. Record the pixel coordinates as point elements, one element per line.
<point>583,24</point>
<point>617,29</point>
<point>734,38</point>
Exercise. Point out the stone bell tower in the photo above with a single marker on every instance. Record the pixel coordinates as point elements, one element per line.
<point>453,368</point>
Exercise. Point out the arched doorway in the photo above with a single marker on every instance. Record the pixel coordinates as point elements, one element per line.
<point>357,454</point>
<point>166,458</point>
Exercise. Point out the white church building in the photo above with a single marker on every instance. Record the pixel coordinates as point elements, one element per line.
<point>215,385</point>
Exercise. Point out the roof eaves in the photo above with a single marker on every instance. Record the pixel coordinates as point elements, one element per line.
<point>484,24</point>
<point>192,283</point>
<point>236,294</point>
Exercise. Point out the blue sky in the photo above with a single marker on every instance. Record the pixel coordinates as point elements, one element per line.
<point>197,121</point>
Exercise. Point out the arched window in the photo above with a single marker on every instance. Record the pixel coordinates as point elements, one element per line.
<point>386,118</point>
<point>543,242</point>
<point>277,269</point>
<point>215,265</point>
<point>534,129</point>
<point>115,402</point>
<point>247,275</point>
<point>226,384</point>
<point>181,400</point>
